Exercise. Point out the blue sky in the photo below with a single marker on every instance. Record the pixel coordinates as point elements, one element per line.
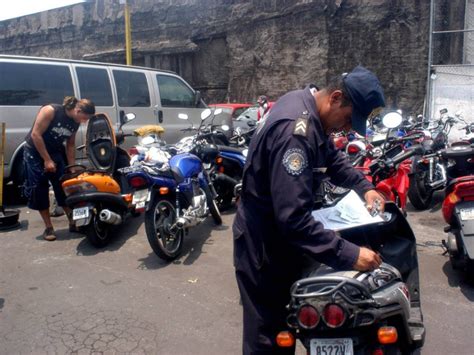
<point>16,8</point>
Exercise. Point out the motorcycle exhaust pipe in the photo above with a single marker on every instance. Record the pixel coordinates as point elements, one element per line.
<point>451,244</point>
<point>110,217</point>
<point>441,182</point>
<point>186,222</point>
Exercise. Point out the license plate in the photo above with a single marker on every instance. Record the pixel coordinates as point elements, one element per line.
<point>139,198</point>
<point>337,346</point>
<point>467,214</point>
<point>80,213</point>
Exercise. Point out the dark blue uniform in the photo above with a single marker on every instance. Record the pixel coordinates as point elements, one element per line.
<point>287,160</point>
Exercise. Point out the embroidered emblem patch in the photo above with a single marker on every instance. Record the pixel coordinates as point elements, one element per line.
<point>294,161</point>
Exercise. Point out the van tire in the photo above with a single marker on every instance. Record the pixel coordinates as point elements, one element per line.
<point>18,172</point>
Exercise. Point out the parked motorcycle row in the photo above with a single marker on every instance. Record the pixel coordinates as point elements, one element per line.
<point>177,186</point>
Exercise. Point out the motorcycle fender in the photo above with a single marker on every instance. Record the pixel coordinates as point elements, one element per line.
<point>466,230</point>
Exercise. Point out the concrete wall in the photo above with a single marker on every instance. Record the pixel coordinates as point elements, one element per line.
<point>237,49</point>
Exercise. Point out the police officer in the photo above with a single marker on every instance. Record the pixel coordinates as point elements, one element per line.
<point>273,228</point>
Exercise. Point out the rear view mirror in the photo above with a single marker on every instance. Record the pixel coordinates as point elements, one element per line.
<point>205,114</point>
<point>129,117</point>
<point>225,127</point>
<point>392,120</point>
<point>217,111</point>
<point>182,116</point>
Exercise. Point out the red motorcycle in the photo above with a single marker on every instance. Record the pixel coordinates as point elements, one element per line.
<point>458,207</point>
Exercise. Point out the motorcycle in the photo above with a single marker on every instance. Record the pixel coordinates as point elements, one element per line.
<point>458,207</point>
<point>176,194</point>
<point>99,197</point>
<point>428,172</point>
<point>351,312</point>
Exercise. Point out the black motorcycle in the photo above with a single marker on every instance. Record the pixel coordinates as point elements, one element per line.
<point>351,312</point>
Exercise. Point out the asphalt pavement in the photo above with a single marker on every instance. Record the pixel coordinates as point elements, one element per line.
<point>69,297</point>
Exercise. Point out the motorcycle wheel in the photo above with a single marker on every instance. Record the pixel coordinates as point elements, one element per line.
<point>98,232</point>
<point>211,203</point>
<point>165,242</point>
<point>420,196</point>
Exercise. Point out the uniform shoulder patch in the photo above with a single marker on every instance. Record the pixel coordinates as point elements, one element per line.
<point>295,161</point>
<point>301,125</point>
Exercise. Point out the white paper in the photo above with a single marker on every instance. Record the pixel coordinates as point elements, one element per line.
<point>347,213</point>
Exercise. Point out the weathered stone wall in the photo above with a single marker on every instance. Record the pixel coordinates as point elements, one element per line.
<point>237,49</point>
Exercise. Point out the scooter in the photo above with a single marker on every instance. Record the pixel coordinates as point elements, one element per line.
<point>458,207</point>
<point>177,193</point>
<point>100,196</point>
<point>351,312</point>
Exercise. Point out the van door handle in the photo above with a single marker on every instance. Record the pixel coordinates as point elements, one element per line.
<point>160,116</point>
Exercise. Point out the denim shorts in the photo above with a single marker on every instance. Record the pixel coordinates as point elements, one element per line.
<point>36,187</point>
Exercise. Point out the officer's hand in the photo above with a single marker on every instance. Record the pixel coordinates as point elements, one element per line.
<point>375,202</point>
<point>49,166</point>
<point>368,260</point>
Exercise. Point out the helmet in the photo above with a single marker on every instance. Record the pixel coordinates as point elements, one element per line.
<point>262,99</point>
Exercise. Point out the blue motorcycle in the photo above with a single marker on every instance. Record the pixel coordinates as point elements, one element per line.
<point>176,194</point>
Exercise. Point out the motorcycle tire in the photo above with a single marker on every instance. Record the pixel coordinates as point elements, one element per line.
<point>97,232</point>
<point>211,203</point>
<point>161,215</point>
<point>419,196</point>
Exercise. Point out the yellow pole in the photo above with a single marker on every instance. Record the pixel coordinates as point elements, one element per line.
<point>2,149</point>
<point>128,35</point>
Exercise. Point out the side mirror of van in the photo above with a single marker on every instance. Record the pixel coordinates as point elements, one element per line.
<point>197,98</point>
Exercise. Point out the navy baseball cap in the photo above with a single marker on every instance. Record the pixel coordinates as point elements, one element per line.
<point>366,95</point>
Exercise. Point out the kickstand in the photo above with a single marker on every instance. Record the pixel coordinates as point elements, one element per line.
<point>444,246</point>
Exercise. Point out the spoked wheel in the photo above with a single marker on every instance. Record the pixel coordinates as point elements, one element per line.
<point>419,193</point>
<point>164,237</point>
<point>211,203</point>
<point>97,232</point>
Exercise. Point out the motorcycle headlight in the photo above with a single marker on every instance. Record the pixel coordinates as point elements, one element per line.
<point>78,188</point>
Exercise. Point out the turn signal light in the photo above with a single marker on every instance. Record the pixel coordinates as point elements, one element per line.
<point>378,352</point>
<point>285,339</point>
<point>334,315</point>
<point>308,316</point>
<point>219,160</point>
<point>164,190</point>
<point>387,335</point>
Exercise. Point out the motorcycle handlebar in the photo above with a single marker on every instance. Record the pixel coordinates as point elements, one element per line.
<point>408,154</point>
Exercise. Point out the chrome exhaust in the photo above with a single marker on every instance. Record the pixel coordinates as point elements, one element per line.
<point>110,217</point>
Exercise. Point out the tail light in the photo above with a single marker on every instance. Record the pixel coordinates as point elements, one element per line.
<point>334,315</point>
<point>285,339</point>
<point>79,188</point>
<point>308,316</point>
<point>448,206</point>
<point>387,335</point>
<point>137,181</point>
<point>353,149</point>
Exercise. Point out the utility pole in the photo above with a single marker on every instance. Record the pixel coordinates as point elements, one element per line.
<point>128,33</point>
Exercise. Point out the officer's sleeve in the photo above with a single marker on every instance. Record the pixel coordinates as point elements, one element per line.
<point>291,185</point>
<point>342,173</point>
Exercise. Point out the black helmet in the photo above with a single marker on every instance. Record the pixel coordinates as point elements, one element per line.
<point>262,99</point>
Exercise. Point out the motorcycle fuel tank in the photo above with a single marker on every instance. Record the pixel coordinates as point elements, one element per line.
<point>185,165</point>
<point>101,143</point>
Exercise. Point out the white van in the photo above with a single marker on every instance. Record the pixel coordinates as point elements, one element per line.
<point>154,96</point>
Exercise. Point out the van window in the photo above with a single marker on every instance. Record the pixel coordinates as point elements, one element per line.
<point>132,89</point>
<point>94,85</point>
<point>27,84</point>
<point>174,92</point>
